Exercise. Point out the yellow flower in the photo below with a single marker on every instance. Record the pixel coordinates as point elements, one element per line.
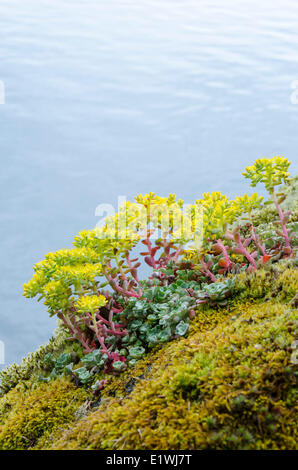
<point>90,303</point>
<point>270,171</point>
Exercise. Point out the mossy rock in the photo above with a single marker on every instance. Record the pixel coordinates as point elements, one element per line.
<point>28,415</point>
<point>231,384</point>
<point>230,387</point>
<point>34,363</point>
<point>275,281</point>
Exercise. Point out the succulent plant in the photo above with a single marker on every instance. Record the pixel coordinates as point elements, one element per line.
<point>194,253</point>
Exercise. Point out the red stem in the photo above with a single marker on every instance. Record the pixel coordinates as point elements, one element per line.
<point>256,239</point>
<point>133,270</point>
<point>281,216</point>
<point>177,254</point>
<point>149,245</point>
<point>75,331</point>
<point>119,289</point>
<point>207,271</point>
<point>101,341</point>
<point>224,252</point>
<point>243,250</point>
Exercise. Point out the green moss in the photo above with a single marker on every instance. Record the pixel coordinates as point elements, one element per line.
<point>231,384</point>
<point>285,287</point>
<point>228,387</point>
<point>29,414</point>
<point>33,364</point>
<point>278,281</point>
<point>121,385</point>
<point>185,382</point>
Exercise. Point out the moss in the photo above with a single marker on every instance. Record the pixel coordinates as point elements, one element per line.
<point>277,281</point>
<point>286,285</point>
<point>185,382</point>
<point>33,364</point>
<point>230,387</point>
<point>267,213</point>
<point>231,384</point>
<point>28,414</point>
<point>121,385</point>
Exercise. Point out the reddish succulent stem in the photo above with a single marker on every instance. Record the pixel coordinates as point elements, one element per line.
<point>149,245</point>
<point>178,252</point>
<point>75,331</point>
<point>117,310</point>
<point>96,328</point>
<point>224,252</point>
<point>207,271</point>
<point>104,348</point>
<point>166,251</point>
<point>111,320</point>
<point>103,320</point>
<point>242,250</point>
<point>116,333</point>
<point>123,275</point>
<point>281,216</point>
<point>256,239</point>
<point>133,270</point>
<point>119,289</point>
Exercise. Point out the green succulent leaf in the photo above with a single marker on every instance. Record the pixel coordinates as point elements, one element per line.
<point>136,352</point>
<point>182,328</point>
<point>84,375</point>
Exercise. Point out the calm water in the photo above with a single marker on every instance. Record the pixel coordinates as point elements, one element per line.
<point>111,97</point>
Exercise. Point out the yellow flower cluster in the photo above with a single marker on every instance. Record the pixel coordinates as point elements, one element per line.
<point>102,252</point>
<point>219,211</point>
<point>90,303</point>
<point>80,273</point>
<point>152,199</point>
<point>270,171</point>
<point>58,296</point>
<point>62,275</point>
<point>245,204</point>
